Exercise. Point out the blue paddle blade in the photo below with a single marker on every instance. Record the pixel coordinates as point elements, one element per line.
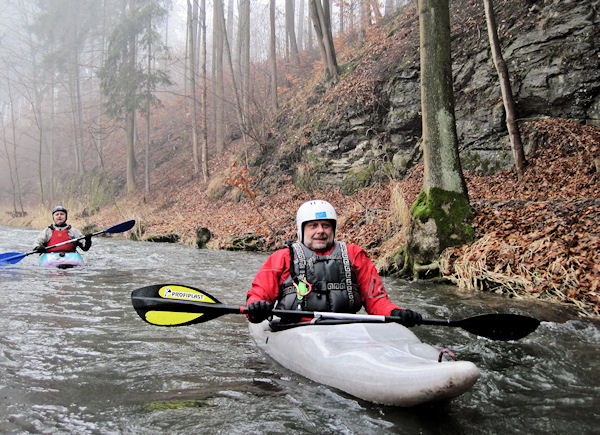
<point>120,228</point>
<point>11,258</point>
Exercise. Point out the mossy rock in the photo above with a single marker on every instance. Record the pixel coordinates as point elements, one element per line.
<point>162,238</point>
<point>203,236</point>
<point>246,242</point>
<point>90,228</point>
<point>138,231</point>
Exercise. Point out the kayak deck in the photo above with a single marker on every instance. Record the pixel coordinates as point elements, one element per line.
<point>379,362</point>
<point>62,260</point>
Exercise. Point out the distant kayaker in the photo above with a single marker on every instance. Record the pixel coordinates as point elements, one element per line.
<point>59,232</point>
<point>327,275</point>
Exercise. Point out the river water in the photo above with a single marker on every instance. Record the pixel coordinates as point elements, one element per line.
<point>76,358</point>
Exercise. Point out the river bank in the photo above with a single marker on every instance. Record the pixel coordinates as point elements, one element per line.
<point>535,238</point>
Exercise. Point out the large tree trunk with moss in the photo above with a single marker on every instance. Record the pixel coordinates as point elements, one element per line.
<point>441,215</point>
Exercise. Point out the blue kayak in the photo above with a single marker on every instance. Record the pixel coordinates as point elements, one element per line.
<point>61,260</point>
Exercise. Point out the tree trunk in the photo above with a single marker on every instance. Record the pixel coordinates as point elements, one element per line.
<point>442,213</point>
<point>193,25</point>
<point>309,32</point>
<point>79,124</point>
<point>244,37</point>
<point>301,25</point>
<point>365,18</point>
<point>148,98</point>
<point>389,7</point>
<point>52,135</point>
<point>374,6</point>
<point>130,117</point>
<point>236,93</point>
<point>341,10</point>
<point>229,25</point>
<point>17,193</point>
<point>290,30</point>
<point>318,32</point>
<point>273,56</point>
<point>186,56</point>
<point>324,16</point>
<point>130,132</point>
<point>507,96</point>
<point>10,165</point>
<point>322,24</point>
<point>328,32</point>
<point>73,101</point>
<point>36,106</point>
<point>219,83</point>
<point>204,91</point>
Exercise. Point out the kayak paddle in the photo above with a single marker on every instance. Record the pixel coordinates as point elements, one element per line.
<point>15,257</point>
<point>178,305</point>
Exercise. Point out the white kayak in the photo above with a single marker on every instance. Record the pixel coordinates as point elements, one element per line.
<point>378,362</point>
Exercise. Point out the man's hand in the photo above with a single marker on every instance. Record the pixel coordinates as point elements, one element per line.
<point>39,249</point>
<point>408,317</point>
<point>259,311</point>
<point>87,244</point>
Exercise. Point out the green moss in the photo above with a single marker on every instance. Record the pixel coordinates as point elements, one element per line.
<point>375,171</point>
<point>451,212</point>
<point>306,178</point>
<point>348,67</point>
<point>471,161</point>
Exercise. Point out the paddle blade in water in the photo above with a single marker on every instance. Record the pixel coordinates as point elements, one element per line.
<point>499,326</point>
<point>162,305</point>
<point>11,258</point>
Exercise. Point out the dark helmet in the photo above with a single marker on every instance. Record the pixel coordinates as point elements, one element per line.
<point>60,208</point>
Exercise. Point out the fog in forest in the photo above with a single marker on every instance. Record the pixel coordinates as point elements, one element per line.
<point>76,72</point>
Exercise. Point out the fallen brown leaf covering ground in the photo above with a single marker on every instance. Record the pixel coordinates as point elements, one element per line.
<point>539,237</point>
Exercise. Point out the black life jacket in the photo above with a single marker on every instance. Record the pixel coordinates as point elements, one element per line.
<point>334,284</point>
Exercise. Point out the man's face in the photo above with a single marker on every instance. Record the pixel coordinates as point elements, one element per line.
<point>318,235</point>
<point>59,217</point>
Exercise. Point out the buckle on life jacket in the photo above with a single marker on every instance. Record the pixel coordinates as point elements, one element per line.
<point>303,287</point>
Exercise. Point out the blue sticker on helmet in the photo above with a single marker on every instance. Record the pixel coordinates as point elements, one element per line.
<point>321,215</point>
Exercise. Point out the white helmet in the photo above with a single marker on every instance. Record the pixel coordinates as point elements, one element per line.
<point>312,211</point>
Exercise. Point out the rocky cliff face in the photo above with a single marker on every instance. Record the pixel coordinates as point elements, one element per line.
<point>552,50</point>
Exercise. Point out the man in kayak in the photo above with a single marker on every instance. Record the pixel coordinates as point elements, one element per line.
<point>326,275</point>
<point>59,232</point>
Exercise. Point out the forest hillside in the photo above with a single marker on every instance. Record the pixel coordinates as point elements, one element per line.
<point>538,237</point>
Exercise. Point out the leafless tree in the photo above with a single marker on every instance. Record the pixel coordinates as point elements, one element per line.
<point>273,56</point>
<point>507,96</point>
<point>321,18</point>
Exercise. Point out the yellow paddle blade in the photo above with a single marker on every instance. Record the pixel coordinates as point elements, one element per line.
<point>170,318</point>
<point>154,304</point>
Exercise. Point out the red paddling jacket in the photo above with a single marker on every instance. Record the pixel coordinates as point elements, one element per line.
<point>272,282</point>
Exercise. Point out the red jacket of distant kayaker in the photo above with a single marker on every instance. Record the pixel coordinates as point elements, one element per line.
<point>277,268</point>
<point>59,236</point>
